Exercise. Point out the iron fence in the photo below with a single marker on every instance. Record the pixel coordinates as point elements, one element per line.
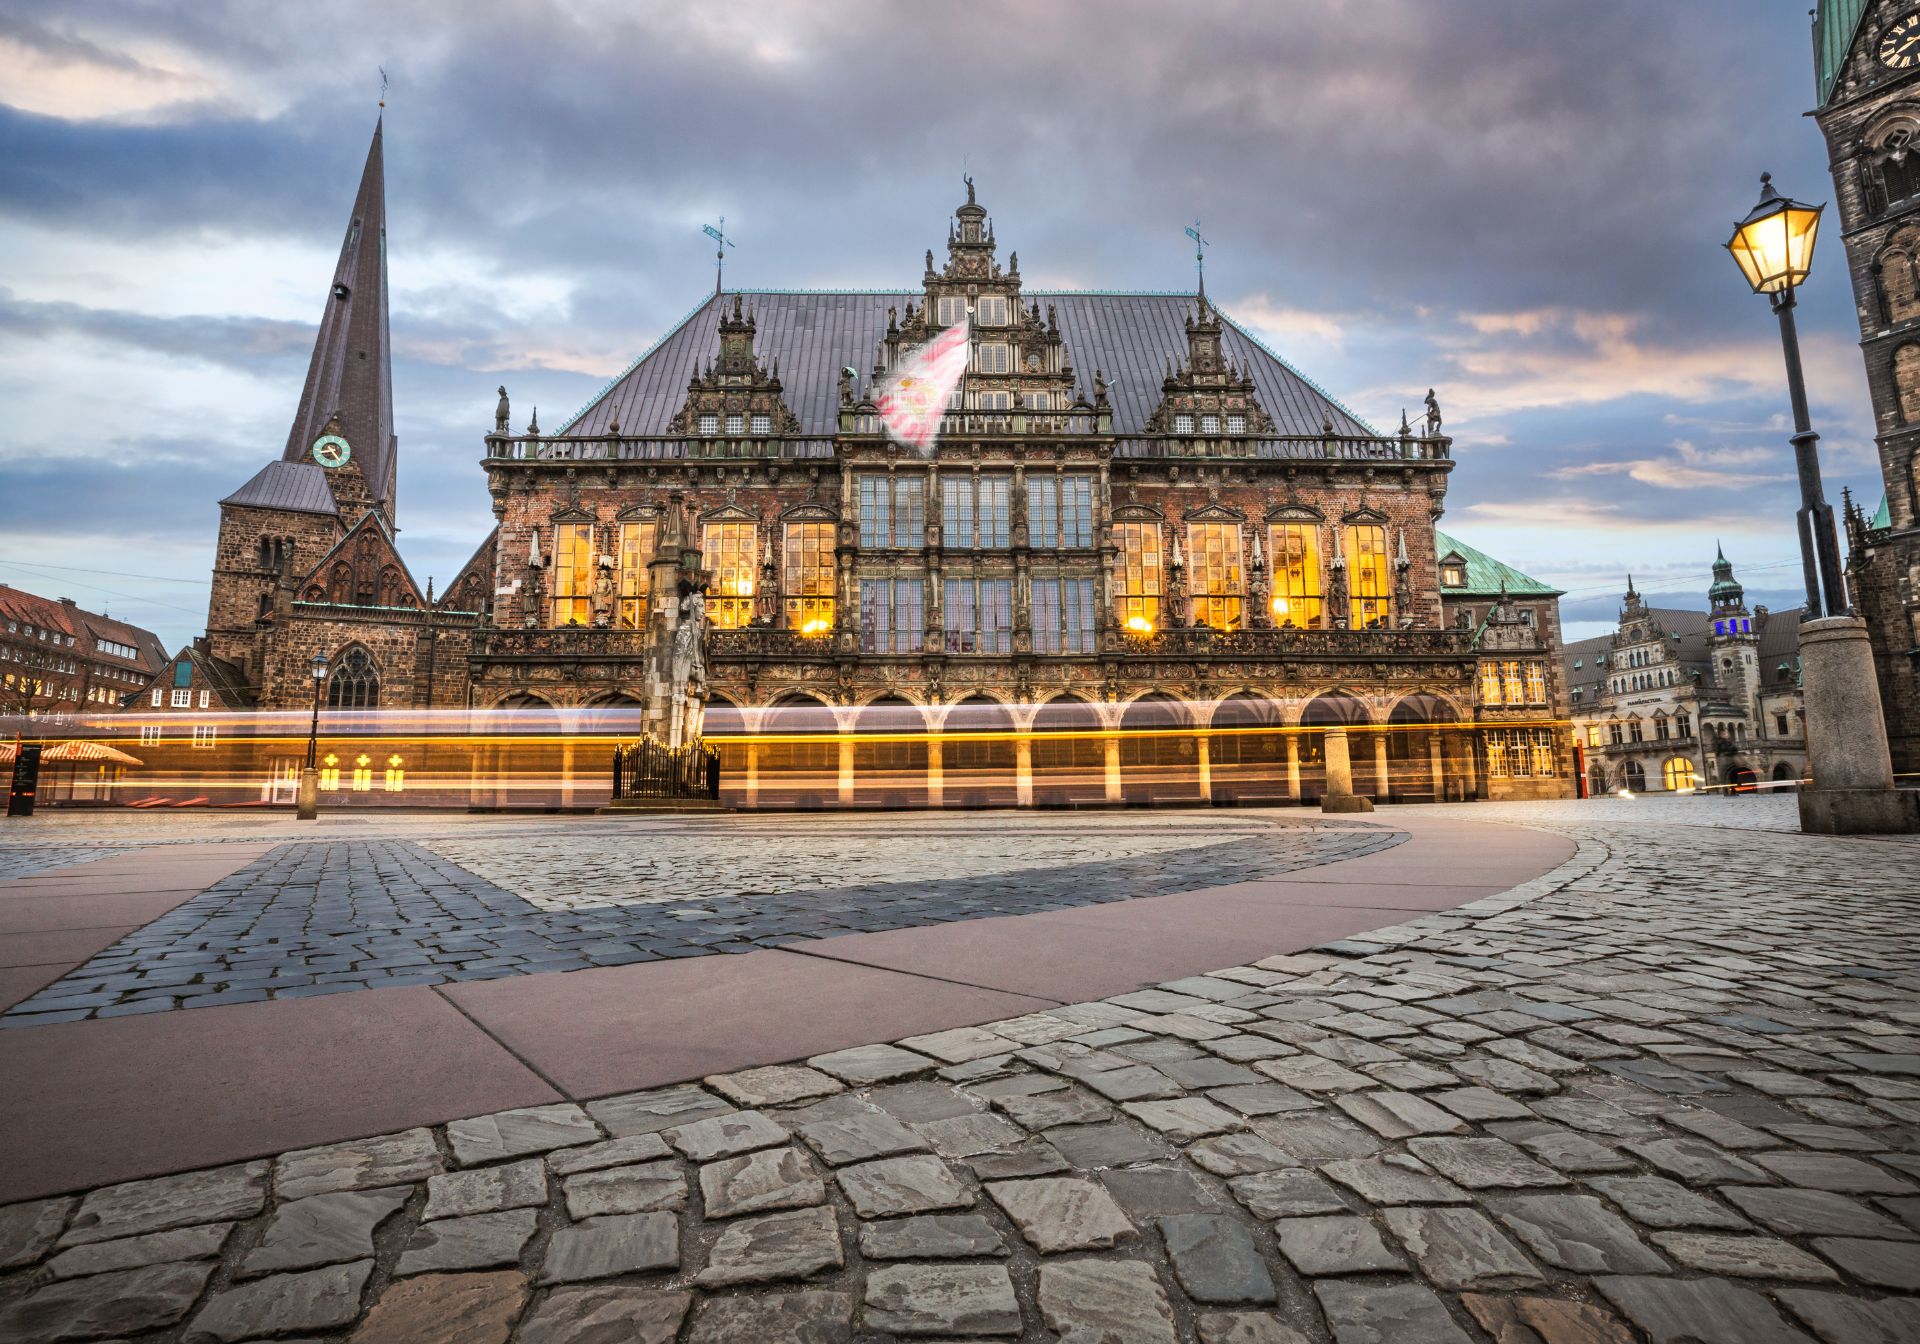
<point>649,770</point>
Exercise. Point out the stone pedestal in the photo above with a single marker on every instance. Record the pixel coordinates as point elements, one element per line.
<point>306,805</point>
<point>1852,789</point>
<point>1339,795</point>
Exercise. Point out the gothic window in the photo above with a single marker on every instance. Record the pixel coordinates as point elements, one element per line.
<point>1063,615</point>
<point>809,578</point>
<point>390,587</point>
<point>1906,382</point>
<point>572,573</point>
<point>1899,278</point>
<point>979,615</point>
<point>728,553</point>
<point>637,542</point>
<point>340,583</point>
<point>1218,583</point>
<point>1060,510</point>
<point>1297,600</point>
<point>1893,172</point>
<point>1138,575</point>
<point>892,511</point>
<point>266,604</point>
<point>974,511</point>
<point>892,615</point>
<point>353,683</point>
<point>1370,586</point>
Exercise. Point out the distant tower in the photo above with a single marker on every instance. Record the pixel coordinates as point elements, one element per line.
<point>1733,646</point>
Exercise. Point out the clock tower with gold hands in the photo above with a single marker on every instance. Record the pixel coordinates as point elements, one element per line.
<point>1867,88</point>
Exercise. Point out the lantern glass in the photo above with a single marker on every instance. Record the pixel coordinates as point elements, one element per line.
<point>319,667</point>
<point>1773,246</point>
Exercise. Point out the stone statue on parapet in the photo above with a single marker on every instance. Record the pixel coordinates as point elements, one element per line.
<point>500,412</point>
<point>1433,415</point>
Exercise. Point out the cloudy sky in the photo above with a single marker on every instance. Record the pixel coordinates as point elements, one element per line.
<point>1519,202</point>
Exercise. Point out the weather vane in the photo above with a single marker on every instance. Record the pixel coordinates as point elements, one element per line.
<point>1200,246</point>
<point>721,244</point>
<point>383,84</point>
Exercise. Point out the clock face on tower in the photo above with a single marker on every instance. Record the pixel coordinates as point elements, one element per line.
<point>330,451</point>
<point>1900,44</point>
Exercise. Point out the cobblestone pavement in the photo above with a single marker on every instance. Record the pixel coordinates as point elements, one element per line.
<point>26,860</point>
<point>334,916</point>
<point>1670,1092</point>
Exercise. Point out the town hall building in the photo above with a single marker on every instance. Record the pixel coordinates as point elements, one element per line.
<point>1145,559</point>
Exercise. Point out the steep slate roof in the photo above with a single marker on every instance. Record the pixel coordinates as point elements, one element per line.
<point>814,334</point>
<point>300,487</point>
<point>1484,573</point>
<point>1834,24</point>
<point>351,371</point>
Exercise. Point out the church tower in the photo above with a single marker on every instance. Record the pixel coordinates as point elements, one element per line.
<point>338,465</point>
<point>1867,85</point>
<point>1733,646</point>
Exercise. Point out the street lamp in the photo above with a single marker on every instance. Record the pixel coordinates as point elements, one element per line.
<point>1773,247</point>
<point>1852,771</point>
<point>307,807</point>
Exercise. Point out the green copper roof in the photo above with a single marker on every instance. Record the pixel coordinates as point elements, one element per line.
<point>1485,574</point>
<point>1882,516</point>
<point>1834,26</point>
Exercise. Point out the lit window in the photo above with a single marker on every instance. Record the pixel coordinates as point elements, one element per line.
<point>728,553</point>
<point>1060,510</point>
<point>396,780</point>
<point>1455,576</point>
<point>975,512</point>
<point>572,573</point>
<point>1490,684</point>
<point>1497,754</point>
<point>363,774</point>
<point>809,578</point>
<point>183,699</point>
<point>1183,423</point>
<point>893,511</point>
<point>761,424</point>
<point>994,358</point>
<point>991,311</point>
<point>1138,575</point>
<point>1679,773</point>
<point>205,735</point>
<point>1063,615</point>
<point>637,542</point>
<point>1218,582</point>
<point>709,424</point>
<point>1367,576</point>
<point>1512,683</point>
<point>330,771</point>
<point>1295,549</point>
<point>1536,683</point>
<point>892,615</point>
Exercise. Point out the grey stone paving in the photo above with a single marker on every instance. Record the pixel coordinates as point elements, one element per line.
<point>26,860</point>
<point>1229,1159</point>
<point>344,915</point>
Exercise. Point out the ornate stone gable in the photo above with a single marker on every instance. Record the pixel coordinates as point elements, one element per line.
<point>1207,384</point>
<point>737,393</point>
<point>472,588</point>
<point>363,570</point>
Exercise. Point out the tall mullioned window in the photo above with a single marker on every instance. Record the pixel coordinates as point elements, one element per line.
<point>572,573</point>
<point>637,543</point>
<point>1219,582</point>
<point>1370,589</point>
<point>974,511</point>
<point>727,551</point>
<point>1139,576</point>
<point>1536,683</point>
<point>809,578</point>
<point>1060,510</point>
<point>893,511</point>
<point>1294,550</point>
<point>1063,615</point>
<point>893,615</point>
<point>978,615</point>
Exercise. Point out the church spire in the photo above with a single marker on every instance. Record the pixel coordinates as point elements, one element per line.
<point>349,387</point>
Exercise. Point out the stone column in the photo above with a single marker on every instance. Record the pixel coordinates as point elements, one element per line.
<point>1339,795</point>
<point>936,775</point>
<point>753,774</point>
<point>1436,766</point>
<point>1023,772</point>
<point>1852,790</point>
<point>1114,794</point>
<point>1203,764</point>
<point>1380,768</point>
<point>1472,753</point>
<point>1293,766</point>
<point>846,771</point>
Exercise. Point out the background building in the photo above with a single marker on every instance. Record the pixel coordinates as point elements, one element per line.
<point>1678,699</point>
<point>1137,522</point>
<point>1868,88</point>
<point>56,657</point>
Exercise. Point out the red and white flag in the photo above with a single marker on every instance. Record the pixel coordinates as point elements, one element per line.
<point>916,396</point>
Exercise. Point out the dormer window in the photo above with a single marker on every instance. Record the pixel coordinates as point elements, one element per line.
<point>1454,575</point>
<point>709,424</point>
<point>1183,423</point>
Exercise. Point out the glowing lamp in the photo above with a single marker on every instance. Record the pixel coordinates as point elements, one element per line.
<point>1626,793</point>
<point>1139,625</point>
<point>1773,245</point>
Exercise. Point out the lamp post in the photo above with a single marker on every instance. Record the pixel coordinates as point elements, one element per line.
<point>1852,771</point>
<point>307,808</point>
